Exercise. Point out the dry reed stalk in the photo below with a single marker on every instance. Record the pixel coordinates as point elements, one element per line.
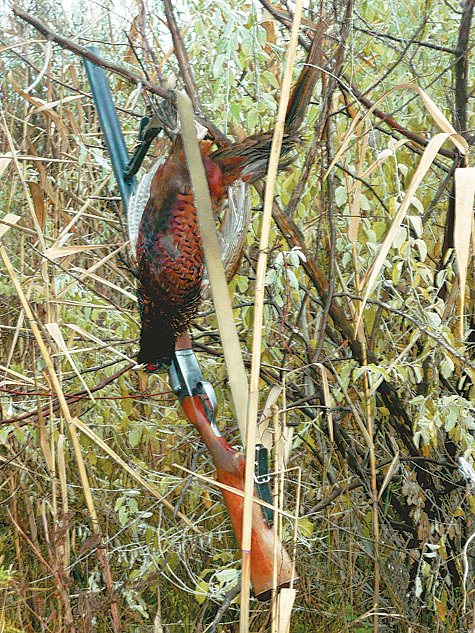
<point>277,522</point>
<point>55,385</point>
<point>424,165</point>
<point>463,231</point>
<point>33,194</point>
<point>370,442</point>
<point>219,288</point>
<point>253,401</point>
<point>282,602</point>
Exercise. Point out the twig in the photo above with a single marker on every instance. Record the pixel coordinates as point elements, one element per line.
<point>189,481</point>
<point>319,128</point>
<point>182,57</point>
<point>228,598</point>
<point>461,67</point>
<point>332,81</point>
<point>70,398</point>
<point>117,69</point>
<point>402,40</point>
<point>366,183</point>
<point>403,314</point>
<point>386,118</point>
<point>258,319</point>
<point>354,92</point>
<point>148,49</point>
<point>85,53</point>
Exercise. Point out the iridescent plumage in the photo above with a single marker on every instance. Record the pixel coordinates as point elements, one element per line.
<point>169,250</point>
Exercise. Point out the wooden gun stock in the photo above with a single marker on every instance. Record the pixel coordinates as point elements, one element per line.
<point>230,471</point>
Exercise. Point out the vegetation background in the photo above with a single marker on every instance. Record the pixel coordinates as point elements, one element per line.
<point>386,513</point>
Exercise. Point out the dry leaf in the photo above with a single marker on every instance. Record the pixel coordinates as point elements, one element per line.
<point>44,443</point>
<point>4,162</point>
<point>433,110</point>
<point>207,500</point>
<point>326,395</point>
<point>441,608</point>
<point>265,431</point>
<point>7,221</point>
<point>464,196</point>
<point>355,207</point>
<point>284,608</point>
<point>390,474</point>
<point>63,251</point>
<point>53,104</point>
<point>93,338</point>
<point>55,333</point>
<point>38,196</point>
<point>38,103</point>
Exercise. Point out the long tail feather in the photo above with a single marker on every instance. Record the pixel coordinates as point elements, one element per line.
<point>248,159</point>
<point>303,90</point>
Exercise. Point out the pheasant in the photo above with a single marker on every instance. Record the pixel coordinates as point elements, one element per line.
<point>169,251</point>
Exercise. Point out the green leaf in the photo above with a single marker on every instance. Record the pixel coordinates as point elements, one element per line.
<point>227,575</point>
<point>246,42</point>
<point>218,65</point>
<point>294,282</point>
<point>305,527</point>
<point>270,78</point>
<point>447,367</point>
<point>5,432</point>
<point>341,196</point>
<point>201,591</point>
<point>135,434</point>
<point>20,435</point>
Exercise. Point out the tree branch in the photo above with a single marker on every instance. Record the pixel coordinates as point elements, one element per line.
<point>182,57</point>
<point>85,53</point>
<point>461,67</point>
<point>117,69</point>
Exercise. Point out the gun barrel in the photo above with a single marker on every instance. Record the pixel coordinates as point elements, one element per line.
<point>110,127</point>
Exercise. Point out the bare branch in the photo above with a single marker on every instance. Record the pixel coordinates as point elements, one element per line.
<point>461,66</point>
<point>85,53</point>
<point>182,56</point>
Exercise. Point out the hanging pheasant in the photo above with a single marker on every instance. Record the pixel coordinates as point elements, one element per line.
<point>169,251</point>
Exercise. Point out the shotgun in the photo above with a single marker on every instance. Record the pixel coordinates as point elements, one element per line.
<point>198,406</point>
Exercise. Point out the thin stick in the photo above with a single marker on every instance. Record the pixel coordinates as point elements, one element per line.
<point>296,524</point>
<point>117,69</point>
<point>56,385</point>
<point>219,287</point>
<point>258,319</point>
<point>26,189</point>
<point>84,52</point>
<point>182,57</point>
<point>372,455</point>
<point>277,444</point>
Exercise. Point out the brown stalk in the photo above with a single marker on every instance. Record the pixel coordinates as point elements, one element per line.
<point>461,66</point>
<point>182,57</point>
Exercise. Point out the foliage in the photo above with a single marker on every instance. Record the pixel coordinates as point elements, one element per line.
<point>407,390</point>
